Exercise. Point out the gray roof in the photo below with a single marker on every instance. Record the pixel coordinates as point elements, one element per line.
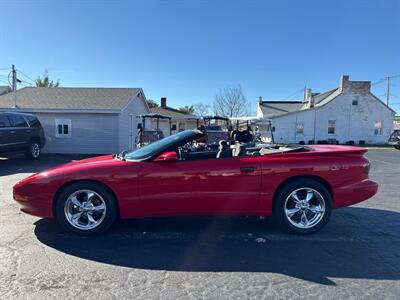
<point>277,108</point>
<point>4,89</point>
<point>319,97</point>
<point>172,112</point>
<point>37,98</point>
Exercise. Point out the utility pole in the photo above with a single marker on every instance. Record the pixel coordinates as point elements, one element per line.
<point>14,78</point>
<point>387,89</point>
<point>14,84</point>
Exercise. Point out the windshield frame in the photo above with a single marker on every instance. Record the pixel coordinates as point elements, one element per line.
<point>188,135</point>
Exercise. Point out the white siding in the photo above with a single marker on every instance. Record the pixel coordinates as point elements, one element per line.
<point>353,122</point>
<point>135,107</point>
<point>91,133</point>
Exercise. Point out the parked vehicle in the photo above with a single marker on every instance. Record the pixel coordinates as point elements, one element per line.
<point>394,139</point>
<point>215,129</point>
<point>255,130</point>
<point>146,135</point>
<point>21,133</point>
<point>300,185</point>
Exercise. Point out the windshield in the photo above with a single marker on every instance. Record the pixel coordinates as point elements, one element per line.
<point>153,148</point>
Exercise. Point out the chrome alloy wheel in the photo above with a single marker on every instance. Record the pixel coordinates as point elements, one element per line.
<point>85,209</point>
<point>304,208</point>
<point>35,150</point>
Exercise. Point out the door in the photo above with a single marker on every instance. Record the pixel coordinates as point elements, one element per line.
<point>20,132</point>
<point>5,128</point>
<point>207,186</point>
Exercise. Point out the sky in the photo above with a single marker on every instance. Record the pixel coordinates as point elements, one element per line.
<point>188,50</point>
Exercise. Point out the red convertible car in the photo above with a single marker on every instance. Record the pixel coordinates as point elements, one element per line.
<point>299,185</point>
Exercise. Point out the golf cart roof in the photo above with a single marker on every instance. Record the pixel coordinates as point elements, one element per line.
<point>215,118</point>
<point>251,119</point>
<point>155,116</point>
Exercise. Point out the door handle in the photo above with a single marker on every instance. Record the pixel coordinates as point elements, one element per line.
<point>12,131</point>
<point>247,169</point>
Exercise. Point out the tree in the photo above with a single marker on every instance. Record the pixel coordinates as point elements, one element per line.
<point>230,102</point>
<point>201,109</point>
<point>46,82</point>
<point>152,103</point>
<point>187,109</point>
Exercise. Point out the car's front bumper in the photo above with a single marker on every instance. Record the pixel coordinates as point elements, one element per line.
<point>34,201</point>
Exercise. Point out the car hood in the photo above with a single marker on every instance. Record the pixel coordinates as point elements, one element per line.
<point>94,167</point>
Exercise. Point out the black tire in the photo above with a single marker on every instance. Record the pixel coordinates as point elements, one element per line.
<point>298,184</point>
<point>397,147</point>
<point>110,215</point>
<point>33,150</point>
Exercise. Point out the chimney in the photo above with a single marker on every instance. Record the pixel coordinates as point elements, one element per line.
<point>343,81</point>
<point>260,100</point>
<point>307,95</point>
<point>163,102</point>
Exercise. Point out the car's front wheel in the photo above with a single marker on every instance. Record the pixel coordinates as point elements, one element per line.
<point>303,206</point>
<point>86,208</point>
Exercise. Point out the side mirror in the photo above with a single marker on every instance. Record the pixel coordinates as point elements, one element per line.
<point>167,156</point>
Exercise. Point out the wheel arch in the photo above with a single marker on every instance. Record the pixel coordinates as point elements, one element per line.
<point>69,183</point>
<point>35,139</point>
<point>297,177</point>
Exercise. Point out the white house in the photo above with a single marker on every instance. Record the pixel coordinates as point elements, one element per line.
<point>82,120</point>
<point>348,113</point>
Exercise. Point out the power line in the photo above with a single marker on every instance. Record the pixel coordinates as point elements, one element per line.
<point>26,75</point>
<point>378,82</point>
<point>294,94</point>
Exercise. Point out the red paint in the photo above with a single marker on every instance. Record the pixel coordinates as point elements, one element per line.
<point>225,186</point>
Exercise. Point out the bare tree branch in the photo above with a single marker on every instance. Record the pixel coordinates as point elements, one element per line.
<point>230,102</point>
<point>201,109</point>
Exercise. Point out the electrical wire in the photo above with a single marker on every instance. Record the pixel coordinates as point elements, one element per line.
<point>33,81</point>
<point>294,94</point>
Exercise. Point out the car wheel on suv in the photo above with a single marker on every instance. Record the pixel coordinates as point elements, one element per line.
<point>34,150</point>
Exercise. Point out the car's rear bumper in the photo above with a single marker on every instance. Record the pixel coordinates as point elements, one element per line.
<point>354,193</point>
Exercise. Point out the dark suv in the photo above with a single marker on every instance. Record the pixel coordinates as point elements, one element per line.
<point>21,133</point>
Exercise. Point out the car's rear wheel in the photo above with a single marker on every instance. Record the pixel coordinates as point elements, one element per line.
<point>86,208</point>
<point>33,150</point>
<point>303,206</point>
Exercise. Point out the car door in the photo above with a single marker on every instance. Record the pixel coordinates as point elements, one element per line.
<point>19,133</point>
<point>206,186</point>
<point>5,127</point>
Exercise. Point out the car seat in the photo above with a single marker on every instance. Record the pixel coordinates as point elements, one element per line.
<point>224,150</point>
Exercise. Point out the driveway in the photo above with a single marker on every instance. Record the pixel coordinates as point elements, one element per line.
<point>357,255</point>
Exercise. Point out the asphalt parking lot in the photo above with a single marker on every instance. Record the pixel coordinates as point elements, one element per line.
<point>357,255</point>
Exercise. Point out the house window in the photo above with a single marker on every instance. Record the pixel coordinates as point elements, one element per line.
<point>355,101</point>
<point>63,128</point>
<point>331,126</point>
<point>181,126</point>
<point>299,128</point>
<point>378,128</point>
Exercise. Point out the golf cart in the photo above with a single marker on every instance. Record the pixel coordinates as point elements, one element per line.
<point>252,130</point>
<point>216,129</point>
<point>394,139</point>
<point>146,135</point>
